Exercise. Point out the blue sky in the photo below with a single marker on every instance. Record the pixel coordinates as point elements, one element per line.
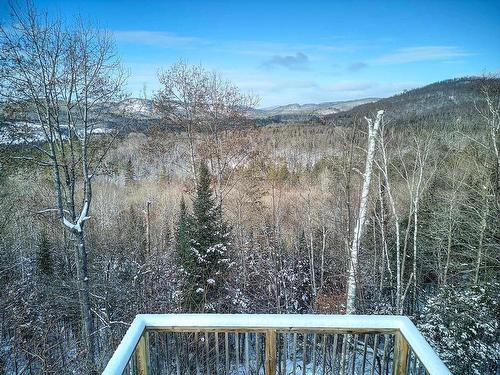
<point>301,52</point>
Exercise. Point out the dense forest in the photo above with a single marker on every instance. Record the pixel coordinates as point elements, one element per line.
<point>205,209</point>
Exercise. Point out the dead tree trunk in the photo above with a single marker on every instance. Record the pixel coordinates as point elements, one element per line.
<point>373,128</point>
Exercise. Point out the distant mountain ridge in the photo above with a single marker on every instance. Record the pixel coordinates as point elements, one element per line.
<point>143,108</point>
<point>319,109</point>
<point>141,111</point>
<point>437,104</point>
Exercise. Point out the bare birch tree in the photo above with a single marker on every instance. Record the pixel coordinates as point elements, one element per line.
<point>401,244</point>
<point>414,174</point>
<point>421,174</point>
<point>373,128</point>
<point>181,102</point>
<point>64,77</point>
<point>491,115</point>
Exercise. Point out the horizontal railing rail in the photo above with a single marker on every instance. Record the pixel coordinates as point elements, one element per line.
<point>273,343</point>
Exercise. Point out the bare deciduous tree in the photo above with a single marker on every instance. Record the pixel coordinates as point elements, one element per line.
<point>491,114</point>
<point>64,78</point>
<point>207,107</point>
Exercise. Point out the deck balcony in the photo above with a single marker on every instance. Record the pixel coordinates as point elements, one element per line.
<point>224,344</point>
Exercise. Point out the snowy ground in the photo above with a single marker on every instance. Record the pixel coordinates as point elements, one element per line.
<point>27,132</point>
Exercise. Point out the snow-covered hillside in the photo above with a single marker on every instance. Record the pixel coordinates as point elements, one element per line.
<point>318,109</point>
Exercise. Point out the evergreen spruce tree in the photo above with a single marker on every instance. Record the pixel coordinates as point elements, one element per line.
<point>182,236</point>
<point>202,242</point>
<point>45,264</point>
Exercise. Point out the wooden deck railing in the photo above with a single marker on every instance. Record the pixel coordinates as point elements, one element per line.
<point>273,344</point>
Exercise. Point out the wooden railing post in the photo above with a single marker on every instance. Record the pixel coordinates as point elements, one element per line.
<point>401,351</point>
<point>142,355</point>
<point>271,352</point>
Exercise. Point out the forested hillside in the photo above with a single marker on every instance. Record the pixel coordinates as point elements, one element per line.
<point>439,104</point>
<point>200,208</point>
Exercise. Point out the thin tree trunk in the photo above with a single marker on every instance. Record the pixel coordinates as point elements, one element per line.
<point>192,151</point>
<point>148,228</point>
<point>375,251</point>
<point>396,224</point>
<point>385,251</point>
<point>480,244</point>
<point>312,261</point>
<point>311,253</point>
<point>83,283</point>
<point>323,249</point>
<point>415,233</point>
<point>448,247</point>
<point>416,201</point>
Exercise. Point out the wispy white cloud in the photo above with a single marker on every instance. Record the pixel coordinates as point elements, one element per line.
<point>346,86</point>
<point>263,48</point>
<point>243,47</point>
<point>155,38</point>
<point>280,86</point>
<point>271,84</point>
<point>423,53</point>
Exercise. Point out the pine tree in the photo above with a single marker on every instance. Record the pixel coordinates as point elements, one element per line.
<point>461,324</point>
<point>182,235</point>
<point>202,247</point>
<point>45,264</point>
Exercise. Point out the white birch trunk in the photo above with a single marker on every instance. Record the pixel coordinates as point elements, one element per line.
<point>416,202</point>
<point>373,128</point>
